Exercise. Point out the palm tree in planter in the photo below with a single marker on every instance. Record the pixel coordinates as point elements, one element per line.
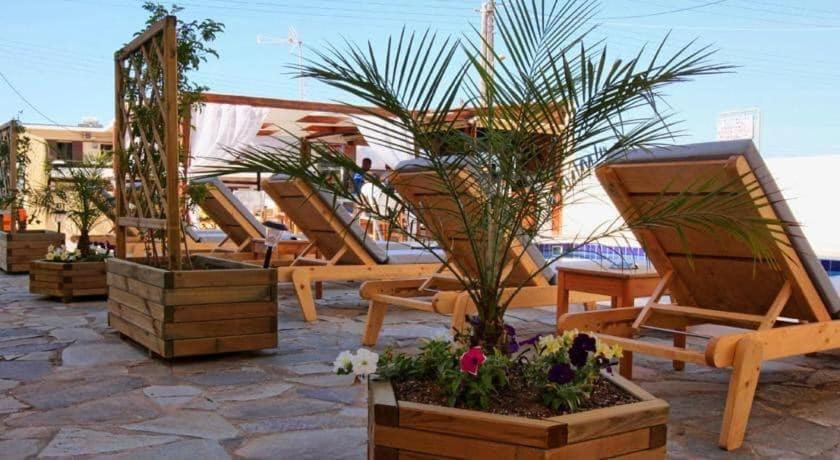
<point>541,122</point>
<point>77,194</point>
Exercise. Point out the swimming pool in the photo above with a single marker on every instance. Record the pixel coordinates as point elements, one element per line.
<point>623,256</point>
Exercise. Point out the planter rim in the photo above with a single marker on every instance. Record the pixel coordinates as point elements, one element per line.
<point>626,385</point>
<point>223,264</point>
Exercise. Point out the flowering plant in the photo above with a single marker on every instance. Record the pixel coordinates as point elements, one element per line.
<point>63,254</point>
<point>560,371</point>
<point>361,364</point>
<point>564,368</point>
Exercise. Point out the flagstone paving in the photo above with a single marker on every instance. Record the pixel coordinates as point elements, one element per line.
<point>69,386</point>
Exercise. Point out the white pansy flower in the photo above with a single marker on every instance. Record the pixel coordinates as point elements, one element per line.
<point>364,362</point>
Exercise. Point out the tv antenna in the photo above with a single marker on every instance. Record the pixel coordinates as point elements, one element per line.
<point>295,47</point>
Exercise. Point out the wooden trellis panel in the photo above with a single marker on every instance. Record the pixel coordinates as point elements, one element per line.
<point>8,171</point>
<point>146,139</point>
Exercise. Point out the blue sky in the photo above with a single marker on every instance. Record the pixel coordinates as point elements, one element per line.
<point>57,53</point>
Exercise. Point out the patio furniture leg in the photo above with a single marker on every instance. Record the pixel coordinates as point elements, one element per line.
<point>303,290</point>
<point>742,384</point>
<point>459,312</point>
<point>679,341</point>
<point>376,314</point>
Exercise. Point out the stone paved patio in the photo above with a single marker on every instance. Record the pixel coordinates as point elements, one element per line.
<point>72,387</point>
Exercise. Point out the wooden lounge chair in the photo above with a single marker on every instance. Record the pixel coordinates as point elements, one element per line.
<point>443,293</point>
<point>784,307</point>
<point>232,217</point>
<point>346,253</point>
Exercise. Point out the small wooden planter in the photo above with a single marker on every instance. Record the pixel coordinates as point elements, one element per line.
<point>19,249</point>
<point>67,280</point>
<point>401,429</point>
<point>218,307</point>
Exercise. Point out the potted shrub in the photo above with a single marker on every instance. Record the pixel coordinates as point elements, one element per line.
<point>74,194</point>
<point>521,135</point>
<point>69,274</point>
<point>19,246</point>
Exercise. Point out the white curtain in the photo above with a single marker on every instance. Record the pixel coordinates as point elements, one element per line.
<point>384,148</point>
<point>220,126</point>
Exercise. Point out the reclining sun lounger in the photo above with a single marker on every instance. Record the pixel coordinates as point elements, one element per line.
<point>232,217</point>
<point>346,253</point>
<point>784,305</point>
<point>442,293</point>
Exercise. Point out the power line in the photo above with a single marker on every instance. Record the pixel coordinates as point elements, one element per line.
<point>32,106</point>
<point>661,13</point>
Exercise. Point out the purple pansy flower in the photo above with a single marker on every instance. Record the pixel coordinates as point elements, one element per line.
<point>578,356</point>
<point>585,342</point>
<point>561,373</point>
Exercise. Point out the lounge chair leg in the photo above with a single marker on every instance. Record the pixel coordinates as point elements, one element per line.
<point>679,341</point>
<point>742,385</point>
<point>625,365</point>
<point>459,312</point>
<point>376,314</point>
<point>303,289</point>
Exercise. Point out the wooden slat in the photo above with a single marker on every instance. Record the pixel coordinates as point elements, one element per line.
<point>227,344</point>
<point>220,328</point>
<point>211,312</point>
<point>663,351</point>
<point>608,421</point>
<point>482,425</point>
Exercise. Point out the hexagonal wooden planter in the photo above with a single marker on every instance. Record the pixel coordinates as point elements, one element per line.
<point>218,307</point>
<point>67,280</point>
<point>19,249</point>
<point>401,429</point>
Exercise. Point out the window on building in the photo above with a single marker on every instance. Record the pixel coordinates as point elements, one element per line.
<point>106,148</point>
<point>64,151</point>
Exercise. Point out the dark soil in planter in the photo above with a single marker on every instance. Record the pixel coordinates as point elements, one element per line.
<point>518,399</point>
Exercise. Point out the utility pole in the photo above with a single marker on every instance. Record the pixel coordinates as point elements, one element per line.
<point>488,32</point>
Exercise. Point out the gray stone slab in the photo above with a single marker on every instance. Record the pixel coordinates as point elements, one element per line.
<point>19,448</point>
<point>252,410</point>
<point>116,409</point>
<point>24,370</point>
<point>199,424</point>
<point>15,333</point>
<point>336,444</point>
<point>305,422</point>
<point>6,384</point>
<point>78,441</point>
<point>228,377</point>
<point>344,395</point>
<point>10,405</point>
<point>88,355</point>
<point>204,449</point>
<point>250,392</point>
<point>324,380</point>
<point>76,334</point>
<point>52,394</point>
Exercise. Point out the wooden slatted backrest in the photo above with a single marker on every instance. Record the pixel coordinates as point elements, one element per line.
<point>328,226</point>
<point>229,213</point>
<point>712,268</point>
<point>439,211</point>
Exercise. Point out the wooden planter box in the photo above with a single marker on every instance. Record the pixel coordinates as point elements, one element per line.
<point>218,307</point>
<point>18,250</point>
<point>401,429</point>
<point>67,280</point>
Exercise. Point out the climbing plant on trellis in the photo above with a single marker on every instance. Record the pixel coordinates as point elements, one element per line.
<point>8,171</point>
<point>146,143</point>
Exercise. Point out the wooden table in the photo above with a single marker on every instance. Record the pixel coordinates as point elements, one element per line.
<point>623,286</point>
